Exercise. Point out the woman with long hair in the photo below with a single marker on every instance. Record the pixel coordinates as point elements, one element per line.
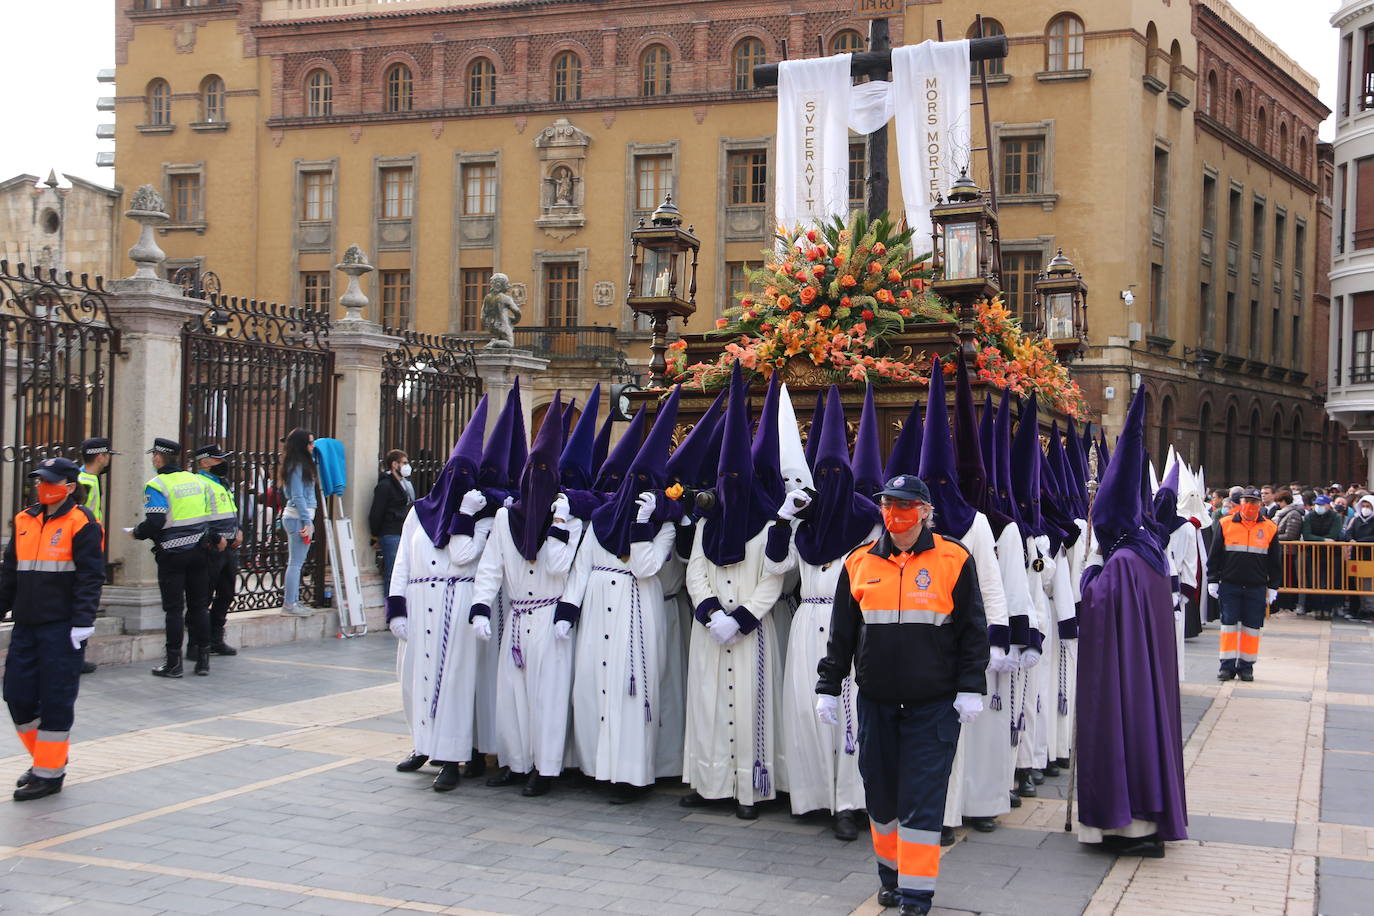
<point>296,478</point>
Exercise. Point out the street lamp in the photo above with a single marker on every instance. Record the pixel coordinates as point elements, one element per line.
<point>662,282</point>
<point>1061,306</point>
<point>965,256</point>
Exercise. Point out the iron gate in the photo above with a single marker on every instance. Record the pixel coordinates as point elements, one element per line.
<point>251,372</point>
<point>57,383</point>
<point>430,388</point>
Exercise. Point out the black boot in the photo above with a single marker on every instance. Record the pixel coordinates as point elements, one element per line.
<point>202,656</point>
<point>1025,786</point>
<point>1147,847</point>
<point>946,836</point>
<point>1247,675</point>
<point>88,667</point>
<point>622,793</point>
<point>24,780</point>
<point>1037,776</point>
<point>747,812</point>
<point>1015,800</point>
<point>171,667</point>
<point>1226,674</point>
<point>411,763</point>
<point>889,896</point>
<point>1061,762</point>
<point>1051,769</point>
<point>219,647</point>
<point>505,777</point>
<point>692,800</point>
<point>477,766</point>
<point>38,787</point>
<point>536,785</point>
<point>846,826</point>
<point>984,824</point>
<point>447,780</point>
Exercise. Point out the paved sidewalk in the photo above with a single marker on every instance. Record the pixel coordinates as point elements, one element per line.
<point>268,787</point>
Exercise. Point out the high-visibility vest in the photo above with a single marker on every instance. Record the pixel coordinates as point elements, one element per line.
<point>921,590</point>
<point>188,509</point>
<point>224,512</point>
<point>43,543</point>
<point>1238,537</point>
<point>92,483</point>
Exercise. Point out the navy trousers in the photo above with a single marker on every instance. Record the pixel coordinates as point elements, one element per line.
<point>906,751</point>
<point>1242,618</point>
<point>42,676</point>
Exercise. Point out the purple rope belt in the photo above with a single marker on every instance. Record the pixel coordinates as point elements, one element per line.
<point>762,781</point>
<point>636,638</point>
<point>450,589</point>
<point>1063,681</point>
<point>518,608</point>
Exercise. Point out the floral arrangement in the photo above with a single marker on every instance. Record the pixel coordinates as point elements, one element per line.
<point>1008,357</point>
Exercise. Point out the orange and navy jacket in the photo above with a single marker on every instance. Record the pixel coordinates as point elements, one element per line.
<point>54,567</point>
<point>1246,553</point>
<point>911,623</point>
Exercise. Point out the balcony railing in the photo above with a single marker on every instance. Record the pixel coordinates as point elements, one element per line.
<point>569,342</point>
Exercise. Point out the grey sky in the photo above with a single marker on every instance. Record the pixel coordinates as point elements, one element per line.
<point>49,96</point>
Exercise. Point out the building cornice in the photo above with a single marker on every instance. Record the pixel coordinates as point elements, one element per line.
<point>1214,127</point>
<point>1274,69</point>
<point>1348,14</point>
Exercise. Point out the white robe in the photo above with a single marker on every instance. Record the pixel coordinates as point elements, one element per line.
<point>1183,554</point>
<point>532,699</point>
<point>822,761</point>
<point>622,645</point>
<point>1062,656</point>
<point>733,691</point>
<point>671,713</point>
<point>1030,688</point>
<point>488,659</point>
<point>978,778</point>
<point>440,669</point>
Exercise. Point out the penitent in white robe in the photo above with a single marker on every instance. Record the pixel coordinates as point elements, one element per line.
<point>978,778</point>
<point>534,669</point>
<point>1183,556</point>
<point>822,760</point>
<point>733,690</point>
<point>1061,657</point>
<point>488,657</point>
<point>1030,687</point>
<point>671,714</point>
<point>441,649</point>
<point>622,644</point>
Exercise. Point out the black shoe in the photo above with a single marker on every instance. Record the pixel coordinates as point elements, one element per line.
<point>24,780</point>
<point>1015,800</point>
<point>447,780</point>
<point>889,896</point>
<point>1225,674</point>
<point>1025,785</point>
<point>692,800</point>
<point>171,667</point>
<point>1037,776</point>
<point>1051,770</point>
<point>411,763</point>
<point>220,647</point>
<point>846,826</point>
<point>477,766</point>
<point>505,777</point>
<point>1247,676</point>
<point>911,909</point>
<point>1148,847</point>
<point>983,824</point>
<point>622,793</point>
<point>88,667</point>
<point>202,656</point>
<point>747,812</point>
<point>1061,762</point>
<point>536,785</point>
<point>946,836</point>
<point>37,787</point>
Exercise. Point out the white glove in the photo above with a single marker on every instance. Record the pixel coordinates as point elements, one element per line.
<point>80,635</point>
<point>646,502</point>
<point>473,502</point>
<point>1214,589</point>
<point>482,627</point>
<point>398,628</point>
<point>793,503</point>
<point>562,629</point>
<point>1000,660</point>
<point>723,627</point>
<point>561,509</point>
<point>1030,658</point>
<point>968,706</point>
<point>1271,595</point>
<point>827,709</point>
<point>508,502</point>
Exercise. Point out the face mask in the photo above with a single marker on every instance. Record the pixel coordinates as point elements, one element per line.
<point>51,494</point>
<point>1249,512</point>
<point>898,520</point>
<point>1366,511</point>
<point>405,470</point>
<point>1322,510</point>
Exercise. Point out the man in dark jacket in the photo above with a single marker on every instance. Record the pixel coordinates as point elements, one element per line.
<point>391,500</point>
<point>51,576</point>
<point>908,615</point>
<point>1361,531</point>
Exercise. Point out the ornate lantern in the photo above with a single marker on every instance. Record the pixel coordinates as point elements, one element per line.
<point>1061,304</point>
<point>966,259</point>
<point>663,284</point>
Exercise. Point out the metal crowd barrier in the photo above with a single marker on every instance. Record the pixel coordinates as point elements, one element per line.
<point>1327,568</point>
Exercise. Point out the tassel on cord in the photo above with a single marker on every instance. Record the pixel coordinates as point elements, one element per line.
<point>995,704</point>
<point>762,782</point>
<point>1063,704</point>
<point>632,685</point>
<point>519,656</point>
<point>648,713</point>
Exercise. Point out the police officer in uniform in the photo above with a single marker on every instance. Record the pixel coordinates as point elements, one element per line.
<point>1244,571</point>
<point>909,614</point>
<point>51,576</point>
<point>226,536</point>
<point>176,520</point>
<point>95,460</point>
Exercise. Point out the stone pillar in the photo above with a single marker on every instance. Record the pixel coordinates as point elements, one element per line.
<point>498,368</point>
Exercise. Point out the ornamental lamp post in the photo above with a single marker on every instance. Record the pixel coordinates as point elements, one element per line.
<point>663,284</point>
<point>1061,307</point>
<point>965,259</point>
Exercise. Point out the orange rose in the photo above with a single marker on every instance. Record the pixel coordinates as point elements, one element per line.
<point>811,235</point>
<point>880,249</point>
<point>844,301</point>
<point>720,323</point>
<point>906,294</point>
<point>674,492</point>
<point>894,276</point>
<point>770,291</point>
<point>905,313</point>
<point>808,295</point>
<point>813,254</point>
<point>784,302</point>
<point>800,276</point>
<point>839,259</point>
<point>884,296</point>
<point>848,280</point>
<point>798,316</point>
<point>818,270</point>
<point>823,311</point>
<point>874,267</point>
<point>918,284</point>
<point>746,302</point>
<point>867,315</point>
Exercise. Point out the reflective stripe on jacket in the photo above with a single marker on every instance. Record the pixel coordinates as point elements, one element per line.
<point>54,566</point>
<point>92,484</point>
<point>1246,553</point>
<point>187,509</point>
<point>223,511</point>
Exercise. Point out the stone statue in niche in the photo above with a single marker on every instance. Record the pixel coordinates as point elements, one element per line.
<point>500,313</point>
<point>562,151</point>
<point>562,179</point>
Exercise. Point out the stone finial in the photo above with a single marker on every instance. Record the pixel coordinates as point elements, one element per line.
<point>52,178</point>
<point>354,265</point>
<point>147,209</point>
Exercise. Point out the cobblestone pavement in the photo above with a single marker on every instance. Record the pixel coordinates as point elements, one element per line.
<point>269,787</point>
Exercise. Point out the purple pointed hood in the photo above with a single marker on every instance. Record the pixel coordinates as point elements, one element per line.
<point>1005,497</point>
<point>1166,503</point>
<point>765,452</point>
<point>906,449</point>
<point>868,459</point>
<point>968,450</point>
<point>613,521</point>
<point>741,510</point>
<point>495,472</point>
<point>603,441</point>
<point>519,439</point>
<point>813,435</point>
<point>1056,510</point>
<point>530,516</point>
<point>1078,465</point>
<point>1117,509</point>
<point>953,514</point>
<point>987,443</point>
<point>840,518</point>
<point>575,464</point>
<point>687,464</point>
<point>617,463</point>
<point>1104,455</point>
<point>438,510</point>
<point>568,412</point>
<point>1025,470</point>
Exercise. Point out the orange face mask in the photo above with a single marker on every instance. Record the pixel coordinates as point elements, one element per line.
<point>50,494</point>
<point>1249,512</point>
<point>900,520</point>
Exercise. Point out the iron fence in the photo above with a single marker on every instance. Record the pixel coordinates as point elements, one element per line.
<point>570,342</point>
<point>251,372</point>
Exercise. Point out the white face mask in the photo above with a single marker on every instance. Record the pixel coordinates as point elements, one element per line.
<point>1321,510</point>
<point>1366,511</point>
<point>405,470</point>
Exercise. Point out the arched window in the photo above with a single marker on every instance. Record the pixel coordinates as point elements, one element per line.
<point>319,94</point>
<point>1175,65</point>
<point>567,77</point>
<point>481,83</point>
<point>1204,434</point>
<point>1229,471</point>
<point>1303,164</point>
<point>212,99</point>
<point>1209,94</point>
<point>846,41</point>
<point>1296,471</point>
<point>1166,422</point>
<point>399,88</point>
<point>655,71</point>
<point>159,102</point>
<point>1275,459</point>
<point>1253,470</point>
<point>747,55</point>
<point>1151,49</point>
<point>1238,111</point>
<point>1283,142</point>
<point>991,29</point>
<point>1064,43</point>
<point>1262,129</point>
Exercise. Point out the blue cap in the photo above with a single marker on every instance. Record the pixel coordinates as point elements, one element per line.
<point>906,486</point>
<point>57,470</point>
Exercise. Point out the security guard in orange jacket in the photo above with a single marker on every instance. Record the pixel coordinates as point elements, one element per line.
<point>1244,571</point>
<point>51,576</point>
<point>909,615</point>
